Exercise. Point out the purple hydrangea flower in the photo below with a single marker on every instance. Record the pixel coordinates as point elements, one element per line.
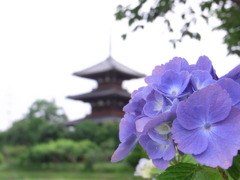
<point>201,79</point>
<point>135,105</point>
<point>233,89</point>
<point>128,135</point>
<point>184,107</point>
<point>156,103</point>
<point>177,64</point>
<point>204,64</point>
<point>157,140</point>
<point>128,138</point>
<point>234,74</point>
<point>173,84</point>
<point>207,126</point>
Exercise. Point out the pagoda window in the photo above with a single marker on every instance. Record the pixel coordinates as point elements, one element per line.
<point>108,102</point>
<point>100,103</point>
<point>100,80</point>
<point>114,103</point>
<point>114,80</point>
<point>120,103</point>
<point>93,104</point>
<point>119,81</point>
<point>107,79</point>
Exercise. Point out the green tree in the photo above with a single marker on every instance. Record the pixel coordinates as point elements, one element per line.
<point>23,132</point>
<point>47,110</point>
<point>227,11</point>
<point>42,123</point>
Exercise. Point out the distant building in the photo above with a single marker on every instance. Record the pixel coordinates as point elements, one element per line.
<point>108,99</point>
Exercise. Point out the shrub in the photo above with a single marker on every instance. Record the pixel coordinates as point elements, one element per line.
<point>12,154</point>
<point>1,158</point>
<point>63,150</point>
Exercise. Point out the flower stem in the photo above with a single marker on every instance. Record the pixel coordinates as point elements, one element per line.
<point>223,173</point>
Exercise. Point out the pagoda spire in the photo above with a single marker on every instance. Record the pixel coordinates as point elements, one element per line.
<point>110,43</point>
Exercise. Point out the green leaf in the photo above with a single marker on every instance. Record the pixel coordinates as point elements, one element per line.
<point>187,171</point>
<point>120,15</point>
<point>183,16</point>
<point>138,27</point>
<point>187,158</point>
<point>131,21</point>
<point>181,171</point>
<point>197,36</point>
<point>234,170</point>
<point>205,175</point>
<point>124,36</point>
<point>205,18</point>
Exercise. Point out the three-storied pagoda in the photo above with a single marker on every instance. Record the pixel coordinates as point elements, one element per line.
<point>108,99</point>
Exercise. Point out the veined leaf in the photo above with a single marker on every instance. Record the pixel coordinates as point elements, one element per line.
<point>187,171</point>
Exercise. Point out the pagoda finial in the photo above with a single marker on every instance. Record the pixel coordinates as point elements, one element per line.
<point>110,43</point>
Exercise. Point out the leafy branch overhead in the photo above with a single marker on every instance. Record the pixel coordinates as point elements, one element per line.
<point>227,11</point>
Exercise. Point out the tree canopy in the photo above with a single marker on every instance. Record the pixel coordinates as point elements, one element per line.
<point>47,110</point>
<point>43,122</point>
<point>227,11</point>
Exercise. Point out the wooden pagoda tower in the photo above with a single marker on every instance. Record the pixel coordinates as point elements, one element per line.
<point>108,99</point>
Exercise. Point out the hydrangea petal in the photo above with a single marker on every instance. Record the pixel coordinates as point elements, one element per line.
<point>210,104</point>
<point>154,106</point>
<point>126,127</point>
<point>191,115</point>
<point>158,70</point>
<point>141,123</point>
<point>124,148</point>
<point>189,141</point>
<point>204,64</point>
<point>233,89</point>
<point>170,152</point>
<point>166,116</point>
<point>159,138</point>
<point>156,150</point>
<point>218,102</point>
<point>135,105</point>
<point>135,92</point>
<point>143,140</point>
<point>148,92</point>
<point>173,84</point>
<point>177,64</point>
<point>201,79</point>
<point>234,74</point>
<point>153,79</point>
<point>237,105</point>
<point>174,105</point>
<point>160,163</point>
<point>224,142</point>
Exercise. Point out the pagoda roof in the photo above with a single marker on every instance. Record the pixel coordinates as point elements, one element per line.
<point>109,65</point>
<point>101,93</point>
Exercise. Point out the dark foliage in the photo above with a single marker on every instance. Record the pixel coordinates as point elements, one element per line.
<point>227,11</point>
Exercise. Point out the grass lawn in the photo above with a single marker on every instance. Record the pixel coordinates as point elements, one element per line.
<point>51,175</point>
<point>101,171</point>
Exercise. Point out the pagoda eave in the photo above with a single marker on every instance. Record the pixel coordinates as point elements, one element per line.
<point>101,93</point>
<point>95,76</point>
<point>107,66</point>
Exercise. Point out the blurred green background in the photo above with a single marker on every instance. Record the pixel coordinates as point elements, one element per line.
<point>40,146</point>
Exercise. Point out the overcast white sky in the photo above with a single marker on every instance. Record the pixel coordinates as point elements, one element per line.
<point>42,42</point>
